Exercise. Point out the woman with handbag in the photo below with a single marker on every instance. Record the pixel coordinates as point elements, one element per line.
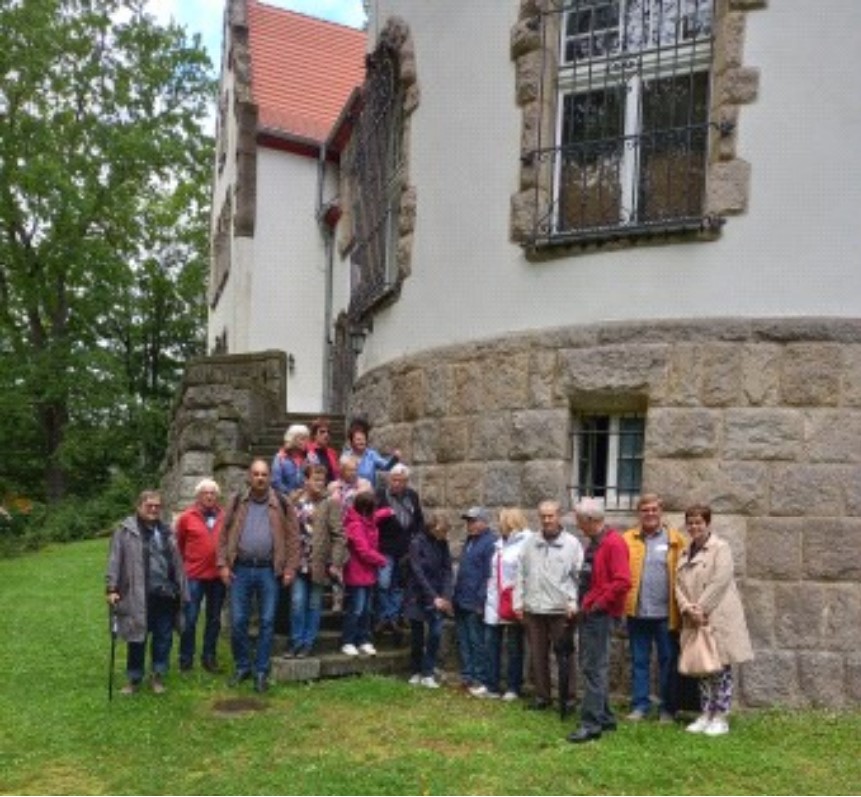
<point>714,631</point>
<point>500,620</point>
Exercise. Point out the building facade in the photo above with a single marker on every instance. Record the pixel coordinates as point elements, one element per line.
<point>608,246</point>
<point>630,267</point>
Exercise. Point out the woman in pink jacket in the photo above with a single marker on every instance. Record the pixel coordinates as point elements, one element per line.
<point>360,574</point>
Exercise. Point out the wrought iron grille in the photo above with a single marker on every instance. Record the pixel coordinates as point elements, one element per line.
<point>628,151</point>
<point>608,458</point>
<point>376,172</point>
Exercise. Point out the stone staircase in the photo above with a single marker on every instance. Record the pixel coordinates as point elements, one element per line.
<point>269,438</point>
<point>327,661</point>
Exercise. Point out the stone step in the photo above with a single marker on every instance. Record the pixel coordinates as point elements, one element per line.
<point>395,661</point>
<point>329,641</point>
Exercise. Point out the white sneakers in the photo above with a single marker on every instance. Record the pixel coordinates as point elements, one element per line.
<point>415,679</point>
<point>478,691</point>
<point>430,682</point>
<point>709,726</point>
<point>510,696</point>
<point>365,650</point>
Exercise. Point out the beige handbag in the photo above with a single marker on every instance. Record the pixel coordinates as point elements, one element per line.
<point>699,653</point>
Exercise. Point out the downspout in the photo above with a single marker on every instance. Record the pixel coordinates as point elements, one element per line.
<point>329,266</point>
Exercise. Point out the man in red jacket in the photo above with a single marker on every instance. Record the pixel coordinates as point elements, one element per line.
<point>605,579</point>
<point>197,531</point>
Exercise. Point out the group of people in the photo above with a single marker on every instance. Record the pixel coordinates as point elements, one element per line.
<point>315,521</point>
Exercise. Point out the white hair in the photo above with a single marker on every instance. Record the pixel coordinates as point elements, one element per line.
<point>400,470</point>
<point>590,508</point>
<point>205,485</point>
<point>294,432</point>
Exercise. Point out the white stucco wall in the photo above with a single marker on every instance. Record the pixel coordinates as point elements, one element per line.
<point>794,252</point>
<point>288,279</point>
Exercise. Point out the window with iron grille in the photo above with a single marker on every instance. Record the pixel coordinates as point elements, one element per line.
<point>376,168</point>
<point>629,148</point>
<point>608,458</point>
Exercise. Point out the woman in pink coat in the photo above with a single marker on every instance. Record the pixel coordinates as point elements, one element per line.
<point>360,574</point>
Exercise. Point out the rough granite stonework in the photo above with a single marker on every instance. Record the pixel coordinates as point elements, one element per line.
<point>729,420</point>
<point>535,54</point>
<point>221,402</point>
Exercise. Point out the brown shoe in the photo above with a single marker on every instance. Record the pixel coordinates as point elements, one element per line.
<point>158,686</point>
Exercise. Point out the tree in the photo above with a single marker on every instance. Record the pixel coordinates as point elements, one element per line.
<point>104,177</point>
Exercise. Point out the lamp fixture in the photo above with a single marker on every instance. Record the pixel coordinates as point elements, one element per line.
<point>357,335</point>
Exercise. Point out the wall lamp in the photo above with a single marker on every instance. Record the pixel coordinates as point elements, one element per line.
<point>357,335</point>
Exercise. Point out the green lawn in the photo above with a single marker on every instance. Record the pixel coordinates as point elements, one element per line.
<point>60,735</point>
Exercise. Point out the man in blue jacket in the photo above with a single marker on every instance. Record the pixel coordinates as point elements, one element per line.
<point>470,594</point>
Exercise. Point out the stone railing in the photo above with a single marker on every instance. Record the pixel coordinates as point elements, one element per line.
<point>222,402</point>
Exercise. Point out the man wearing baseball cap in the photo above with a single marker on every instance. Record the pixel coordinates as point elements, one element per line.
<point>470,595</point>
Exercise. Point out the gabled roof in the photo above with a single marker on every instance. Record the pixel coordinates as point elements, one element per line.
<point>303,70</point>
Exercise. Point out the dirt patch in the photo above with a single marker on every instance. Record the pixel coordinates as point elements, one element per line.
<point>236,706</point>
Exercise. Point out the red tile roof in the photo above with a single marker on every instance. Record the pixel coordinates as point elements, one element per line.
<point>303,69</point>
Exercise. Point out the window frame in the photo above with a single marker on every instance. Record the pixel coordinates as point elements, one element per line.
<point>615,498</point>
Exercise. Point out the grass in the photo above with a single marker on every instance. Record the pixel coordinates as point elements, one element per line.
<point>60,735</point>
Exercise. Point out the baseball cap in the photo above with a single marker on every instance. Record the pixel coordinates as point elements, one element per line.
<point>475,513</point>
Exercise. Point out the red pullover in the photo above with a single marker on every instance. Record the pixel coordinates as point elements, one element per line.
<point>198,543</point>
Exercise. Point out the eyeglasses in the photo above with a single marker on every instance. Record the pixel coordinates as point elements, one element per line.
<point>152,506</point>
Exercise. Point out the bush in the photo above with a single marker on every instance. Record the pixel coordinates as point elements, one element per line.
<point>71,519</point>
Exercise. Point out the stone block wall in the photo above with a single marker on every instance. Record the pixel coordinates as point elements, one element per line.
<point>221,403</point>
<point>761,418</point>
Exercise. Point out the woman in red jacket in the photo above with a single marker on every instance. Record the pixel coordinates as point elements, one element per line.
<point>360,574</point>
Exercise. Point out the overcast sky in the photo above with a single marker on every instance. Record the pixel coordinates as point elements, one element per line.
<point>205,16</point>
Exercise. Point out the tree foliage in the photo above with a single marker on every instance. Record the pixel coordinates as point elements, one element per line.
<point>104,177</point>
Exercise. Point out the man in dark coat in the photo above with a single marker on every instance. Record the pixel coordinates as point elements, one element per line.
<point>396,532</point>
<point>146,587</point>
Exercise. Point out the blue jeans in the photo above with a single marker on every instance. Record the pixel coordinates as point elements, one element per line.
<point>513,656</point>
<point>595,714</point>
<point>469,627</point>
<point>642,633</point>
<point>160,613</point>
<point>249,582</point>
<point>214,591</point>
<point>306,605</point>
<point>358,602</point>
<point>390,596</point>
<point>425,637</point>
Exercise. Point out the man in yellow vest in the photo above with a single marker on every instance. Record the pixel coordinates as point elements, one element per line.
<point>652,615</point>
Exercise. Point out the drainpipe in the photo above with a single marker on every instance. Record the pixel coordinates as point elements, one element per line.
<point>327,233</point>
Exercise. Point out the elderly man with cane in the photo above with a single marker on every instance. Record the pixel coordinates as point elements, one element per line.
<point>146,587</point>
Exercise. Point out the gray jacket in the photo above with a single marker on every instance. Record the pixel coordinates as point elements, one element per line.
<point>547,579</point>
<point>126,575</point>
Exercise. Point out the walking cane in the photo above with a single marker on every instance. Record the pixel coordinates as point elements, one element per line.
<point>112,628</point>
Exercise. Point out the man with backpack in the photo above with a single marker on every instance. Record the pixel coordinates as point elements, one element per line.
<point>259,548</point>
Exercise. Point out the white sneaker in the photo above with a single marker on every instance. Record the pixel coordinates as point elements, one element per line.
<point>430,682</point>
<point>415,680</point>
<point>699,724</point>
<point>510,696</point>
<point>350,650</point>
<point>717,727</point>
<point>367,649</point>
<point>493,696</point>
<point>479,691</point>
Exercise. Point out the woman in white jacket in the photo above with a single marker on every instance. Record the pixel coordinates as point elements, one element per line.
<point>514,531</point>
